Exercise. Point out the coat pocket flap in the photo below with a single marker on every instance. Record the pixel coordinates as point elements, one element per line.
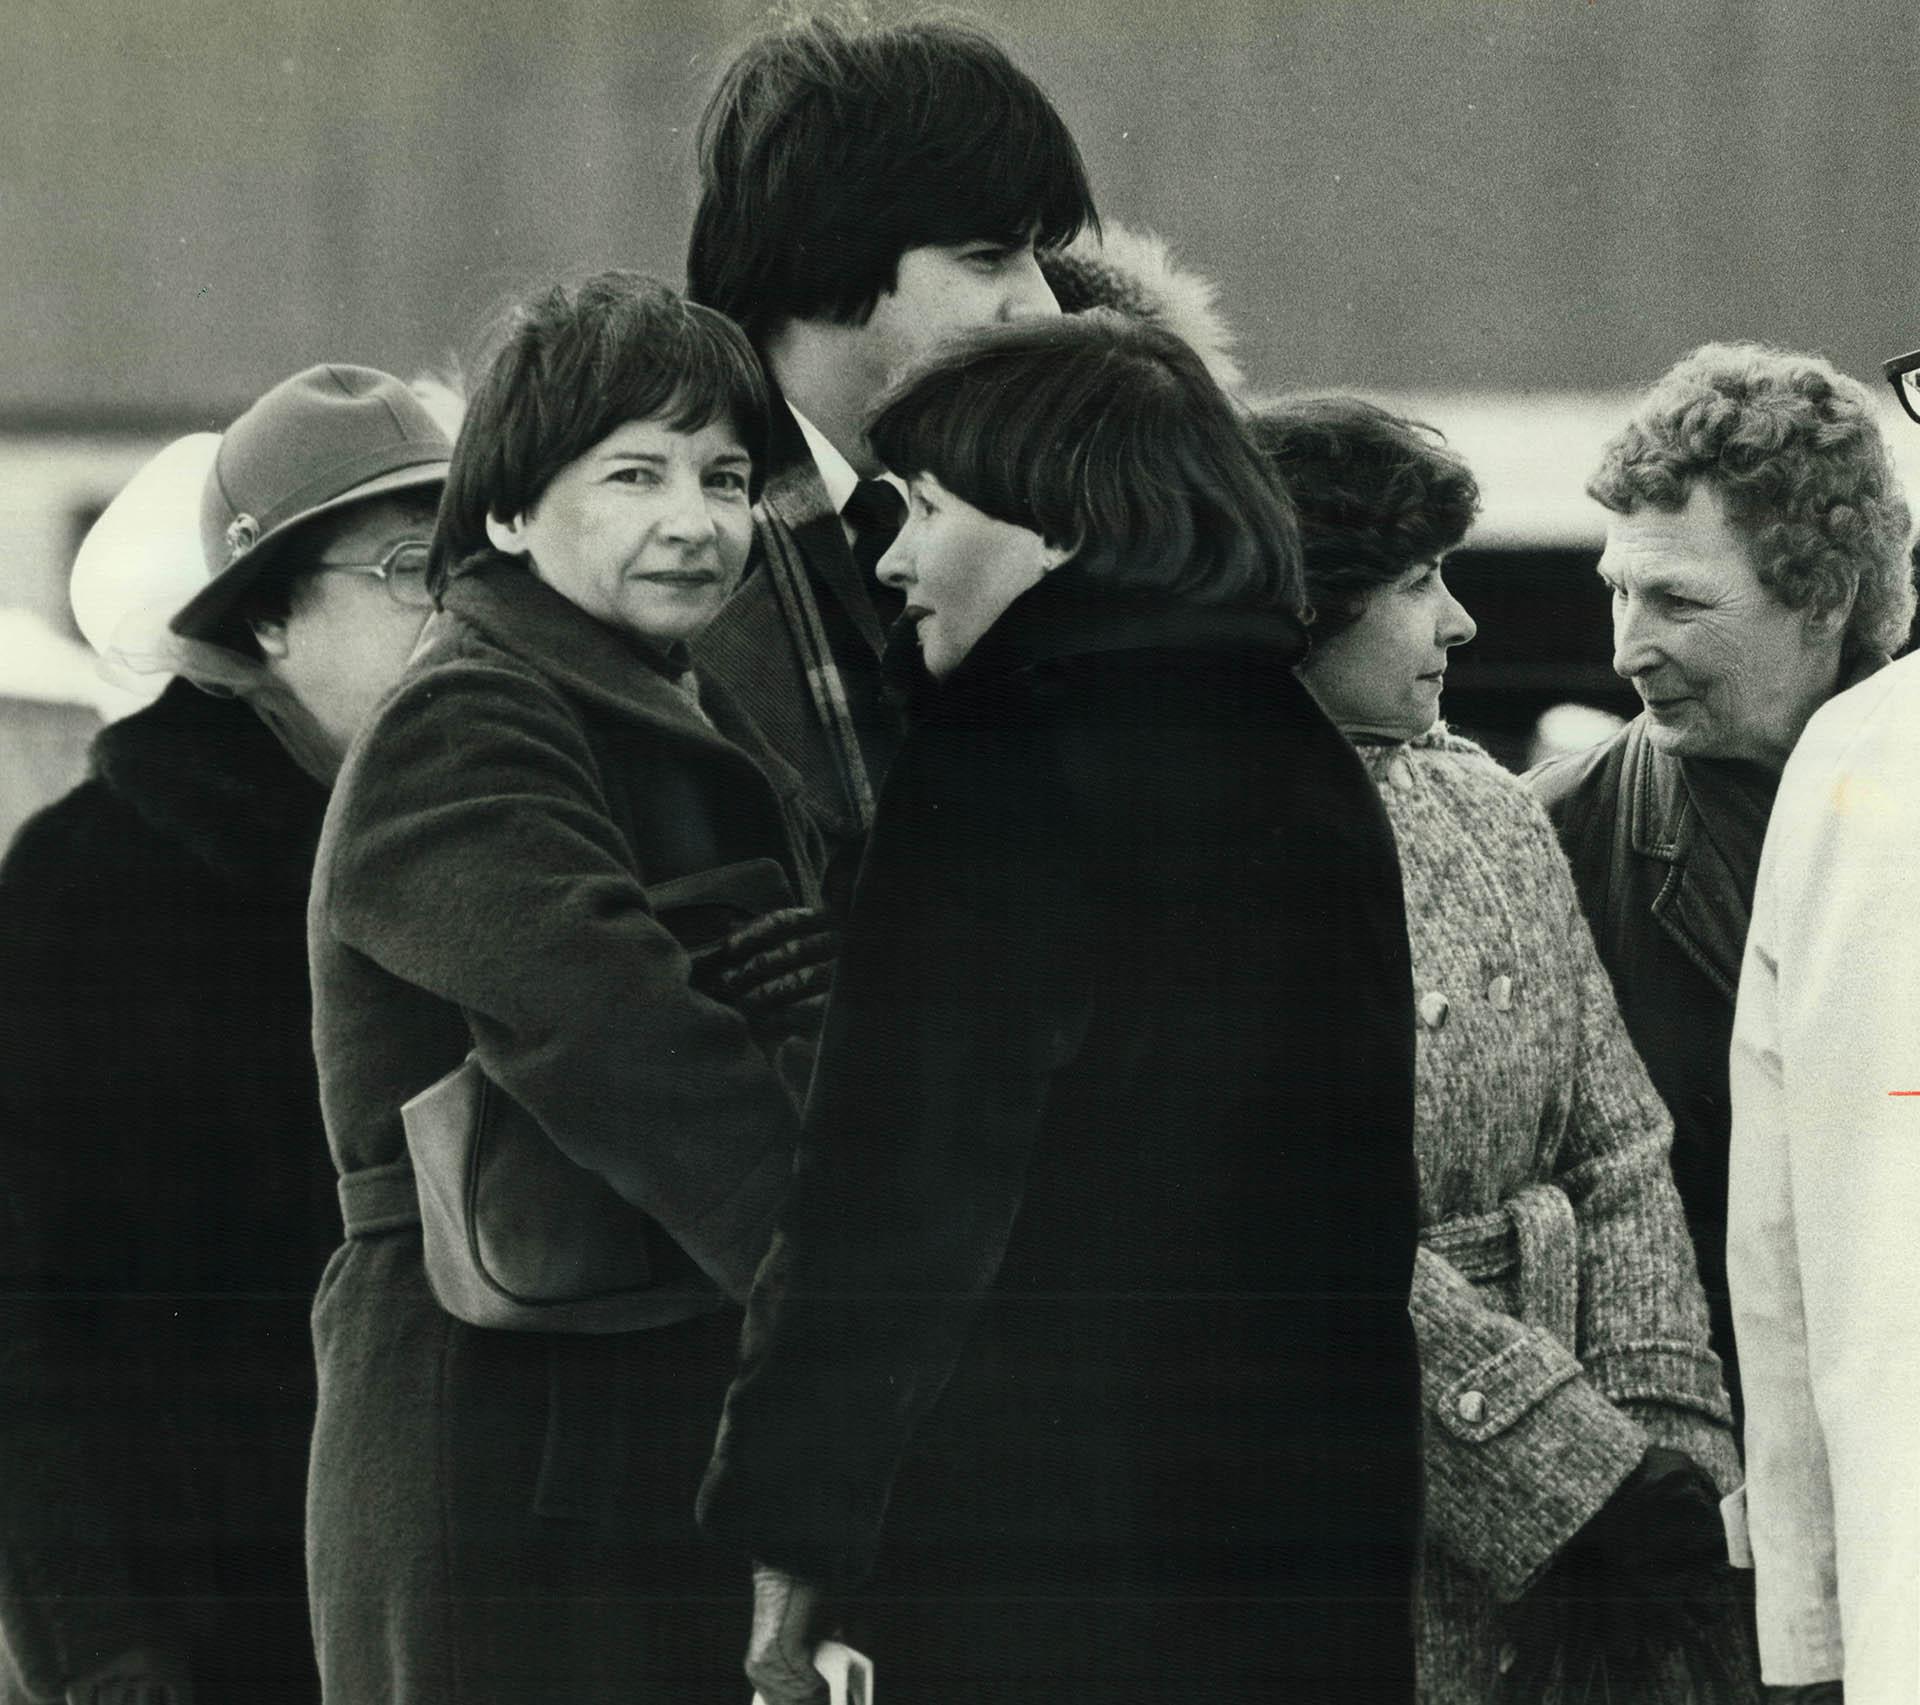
<point>1498,1390</point>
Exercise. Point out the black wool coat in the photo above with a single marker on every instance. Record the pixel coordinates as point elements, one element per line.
<point>166,1206</point>
<point>1085,1329</point>
<point>508,1515</point>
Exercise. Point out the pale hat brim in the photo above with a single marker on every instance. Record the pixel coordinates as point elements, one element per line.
<point>142,558</point>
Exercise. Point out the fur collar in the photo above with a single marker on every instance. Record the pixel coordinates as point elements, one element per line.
<point>1136,273</point>
<point>206,774</point>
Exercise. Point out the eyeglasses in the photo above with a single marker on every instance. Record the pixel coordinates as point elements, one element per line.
<point>1903,374</point>
<point>404,569</point>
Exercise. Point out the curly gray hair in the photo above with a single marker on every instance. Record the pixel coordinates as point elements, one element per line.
<point>1792,446</point>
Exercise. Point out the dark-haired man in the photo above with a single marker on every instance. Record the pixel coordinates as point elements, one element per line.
<point>166,1200</point>
<point>864,192</point>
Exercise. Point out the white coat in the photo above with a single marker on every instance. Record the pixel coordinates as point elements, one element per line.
<point>1823,1233</point>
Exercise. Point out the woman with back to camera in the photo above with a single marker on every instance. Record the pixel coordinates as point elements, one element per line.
<point>1577,1433</point>
<point>1094,1279</point>
<point>505,1515</point>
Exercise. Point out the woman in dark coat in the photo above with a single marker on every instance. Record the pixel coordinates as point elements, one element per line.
<point>166,1205</point>
<point>507,1515</point>
<point>1094,1279</point>
<point>165,1208</point>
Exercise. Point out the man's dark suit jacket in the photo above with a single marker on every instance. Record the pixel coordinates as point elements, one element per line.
<point>799,645</point>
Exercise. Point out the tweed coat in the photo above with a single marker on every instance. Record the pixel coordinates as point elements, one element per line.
<point>497,1515</point>
<point>166,1206</point>
<point>1561,1320</point>
<point>1104,1221</point>
<point>1664,852</point>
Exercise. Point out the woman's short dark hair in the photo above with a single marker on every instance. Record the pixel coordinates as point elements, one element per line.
<point>1793,447</point>
<point>577,361</point>
<point>1375,494</point>
<point>1107,435</point>
<point>828,149</point>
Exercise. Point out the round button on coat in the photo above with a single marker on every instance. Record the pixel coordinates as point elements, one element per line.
<point>1400,773</point>
<point>1471,1407</point>
<point>1500,994</point>
<point>1434,1008</point>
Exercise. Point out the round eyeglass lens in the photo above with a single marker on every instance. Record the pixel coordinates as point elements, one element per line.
<point>407,576</point>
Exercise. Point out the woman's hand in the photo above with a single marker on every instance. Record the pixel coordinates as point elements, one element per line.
<point>777,967</point>
<point>1646,1581</point>
<point>144,1675</point>
<point>786,1617</point>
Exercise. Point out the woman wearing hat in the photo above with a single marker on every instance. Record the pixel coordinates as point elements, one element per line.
<point>165,1203</point>
<point>505,905</point>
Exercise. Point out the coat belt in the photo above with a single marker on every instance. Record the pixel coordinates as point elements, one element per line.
<point>379,1198</point>
<point>1534,1235</point>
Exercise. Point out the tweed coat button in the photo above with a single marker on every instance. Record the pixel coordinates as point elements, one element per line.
<point>1471,1407</point>
<point>1509,1656</point>
<point>1400,773</point>
<point>1434,1007</point>
<point>1500,994</point>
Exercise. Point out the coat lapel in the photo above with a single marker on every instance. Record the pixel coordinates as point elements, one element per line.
<point>795,495</point>
<point>1704,904</point>
<point>590,662</point>
<point>620,682</point>
<point>207,775</point>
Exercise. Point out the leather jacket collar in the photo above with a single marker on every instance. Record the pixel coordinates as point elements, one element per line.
<point>1707,822</point>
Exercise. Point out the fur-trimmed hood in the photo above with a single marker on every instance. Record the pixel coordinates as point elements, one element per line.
<point>206,774</point>
<point>1136,273</point>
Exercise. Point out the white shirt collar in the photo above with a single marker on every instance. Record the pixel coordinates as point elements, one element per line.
<point>836,472</point>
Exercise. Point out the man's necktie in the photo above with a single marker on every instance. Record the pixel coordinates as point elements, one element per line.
<point>875,511</point>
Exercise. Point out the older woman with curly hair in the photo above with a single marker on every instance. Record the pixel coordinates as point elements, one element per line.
<point>1577,1436</point>
<point>1756,553</point>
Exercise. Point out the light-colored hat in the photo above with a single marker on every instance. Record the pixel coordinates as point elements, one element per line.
<point>141,563</point>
